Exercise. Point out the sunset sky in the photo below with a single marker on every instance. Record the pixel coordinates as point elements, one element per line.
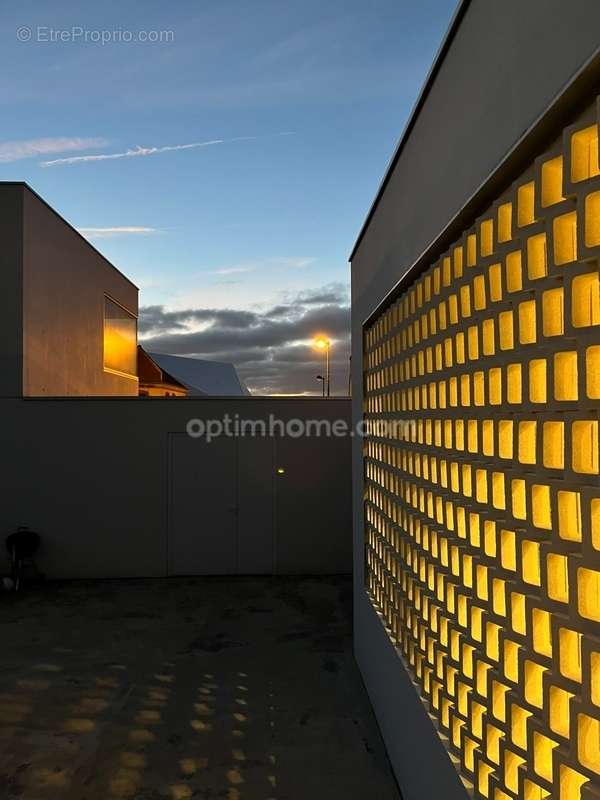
<point>226,170</point>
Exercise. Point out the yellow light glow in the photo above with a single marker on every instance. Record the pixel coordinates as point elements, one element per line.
<point>321,342</point>
<point>460,510</point>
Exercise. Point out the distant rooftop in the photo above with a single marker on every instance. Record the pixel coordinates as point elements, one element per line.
<point>202,377</point>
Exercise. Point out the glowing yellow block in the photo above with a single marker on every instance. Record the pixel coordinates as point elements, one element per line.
<point>514,272</point>
<point>527,442</point>
<point>534,792</point>
<point>560,711</point>
<point>588,742</point>
<point>465,301</point>
<point>542,755</point>
<point>495,281</point>
<point>483,778</point>
<point>588,593</point>
<point>552,177</point>
<point>542,632</point>
<point>514,393</point>
<point>499,700</point>
<point>570,783</point>
<point>564,230</point>
<point>584,155</point>
<point>540,506</point>
<point>471,250</point>
<point>595,678</point>
<point>518,615</point>
<point>481,486</point>
<point>479,296</point>
<point>478,389</point>
<point>554,445</point>
<point>558,577</point>
<point>592,371</point>
<point>518,725</point>
<point>505,322</point>
<point>488,337</point>
<point>492,642</point>
<point>512,762</point>
<point>537,380</point>
<point>553,314</point>
<point>460,348</point>
<point>534,688</point>
<point>477,712</point>
<point>505,439</point>
<point>592,219</point>
<point>458,262</point>
<point>453,309</point>
<point>518,498</point>
<point>446,271</point>
<point>527,322</point>
<point>470,746</point>
<point>499,597</point>
<point>565,376</point>
<point>511,660</point>
<point>505,222</point>
<point>585,300</point>
<point>495,387</point>
<point>530,552</point>
<point>526,204</point>
<point>486,235</point>
<point>585,446</point>
<point>493,737</point>
<point>537,259</point>
<point>569,649</point>
<point>508,550</point>
<point>498,490</point>
<point>569,516</point>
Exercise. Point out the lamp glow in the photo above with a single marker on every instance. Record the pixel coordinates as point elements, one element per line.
<point>323,344</point>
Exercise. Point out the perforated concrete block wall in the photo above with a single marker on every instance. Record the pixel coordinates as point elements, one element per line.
<point>482,490</point>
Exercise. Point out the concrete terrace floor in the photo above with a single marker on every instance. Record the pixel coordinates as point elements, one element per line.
<point>243,689</point>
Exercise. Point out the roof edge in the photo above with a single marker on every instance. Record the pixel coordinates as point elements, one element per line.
<point>570,100</point>
<point>420,102</point>
<point>38,196</point>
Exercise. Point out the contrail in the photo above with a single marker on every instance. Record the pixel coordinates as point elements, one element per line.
<point>150,151</point>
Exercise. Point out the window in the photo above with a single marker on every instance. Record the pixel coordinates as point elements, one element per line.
<point>120,339</point>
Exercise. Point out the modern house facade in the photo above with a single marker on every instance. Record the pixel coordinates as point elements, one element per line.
<point>476,319</point>
<point>69,321</point>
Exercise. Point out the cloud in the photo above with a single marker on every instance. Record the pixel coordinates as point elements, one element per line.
<point>332,293</point>
<point>138,151</point>
<point>29,148</point>
<point>295,263</point>
<point>271,347</point>
<point>276,262</point>
<point>107,233</point>
<point>234,270</point>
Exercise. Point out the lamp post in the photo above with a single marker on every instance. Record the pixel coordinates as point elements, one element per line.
<point>322,379</point>
<point>323,343</point>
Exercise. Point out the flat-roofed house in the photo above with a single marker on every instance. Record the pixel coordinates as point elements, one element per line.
<point>69,318</point>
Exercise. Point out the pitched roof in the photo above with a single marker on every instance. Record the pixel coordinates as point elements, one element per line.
<point>149,372</point>
<point>217,378</point>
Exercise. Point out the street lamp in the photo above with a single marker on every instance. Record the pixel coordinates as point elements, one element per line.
<point>323,343</point>
<point>322,379</point>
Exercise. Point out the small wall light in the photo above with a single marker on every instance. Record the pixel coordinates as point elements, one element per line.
<point>280,471</point>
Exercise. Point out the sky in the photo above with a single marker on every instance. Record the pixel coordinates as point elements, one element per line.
<point>222,154</point>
